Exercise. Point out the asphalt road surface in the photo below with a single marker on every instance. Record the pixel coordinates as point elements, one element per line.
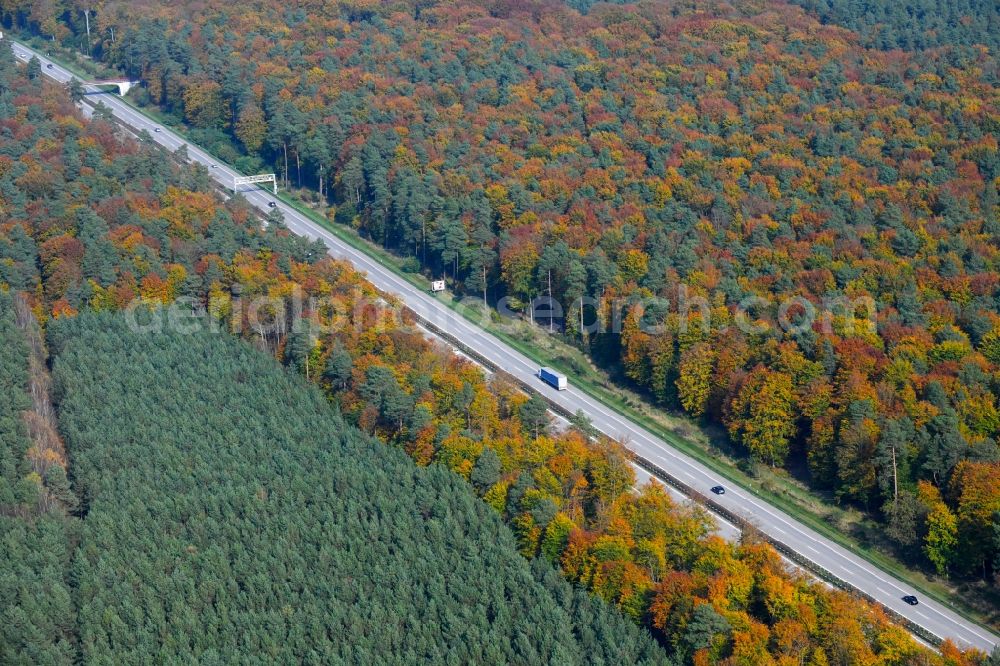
<point>850,568</point>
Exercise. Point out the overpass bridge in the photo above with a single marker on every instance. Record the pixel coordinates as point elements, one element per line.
<point>123,85</point>
<point>90,87</point>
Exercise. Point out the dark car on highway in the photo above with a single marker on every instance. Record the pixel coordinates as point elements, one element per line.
<point>910,599</point>
<point>719,490</point>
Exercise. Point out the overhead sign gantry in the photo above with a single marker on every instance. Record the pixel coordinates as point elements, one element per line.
<point>240,181</point>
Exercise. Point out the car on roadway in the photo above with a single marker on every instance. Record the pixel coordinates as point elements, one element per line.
<point>271,204</point>
<point>156,129</point>
<point>719,490</point>
<point>49,66</point>
<point>910,599</point>
<point>215,166</point>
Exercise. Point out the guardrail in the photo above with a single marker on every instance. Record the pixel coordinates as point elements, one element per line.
<point>696,496</point>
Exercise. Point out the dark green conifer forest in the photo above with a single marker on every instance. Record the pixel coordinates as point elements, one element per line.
<point>229,515</point>
<point>36,612</point>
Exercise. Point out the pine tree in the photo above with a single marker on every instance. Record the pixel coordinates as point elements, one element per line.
<point>486,471</point>
<point>534,415</point>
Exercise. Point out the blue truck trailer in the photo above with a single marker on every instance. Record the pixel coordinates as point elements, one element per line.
<point>554,379</point>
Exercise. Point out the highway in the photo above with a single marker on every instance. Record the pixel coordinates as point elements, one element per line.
<point>851,569</point>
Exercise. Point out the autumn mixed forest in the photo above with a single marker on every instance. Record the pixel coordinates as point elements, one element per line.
<point>626,152</point>
<point>717,154</point>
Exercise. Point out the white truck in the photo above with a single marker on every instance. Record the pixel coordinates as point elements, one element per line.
<point>554,379</point>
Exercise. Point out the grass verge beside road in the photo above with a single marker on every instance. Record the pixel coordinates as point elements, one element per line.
<point>545,350</point>
<point>591,381</point>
